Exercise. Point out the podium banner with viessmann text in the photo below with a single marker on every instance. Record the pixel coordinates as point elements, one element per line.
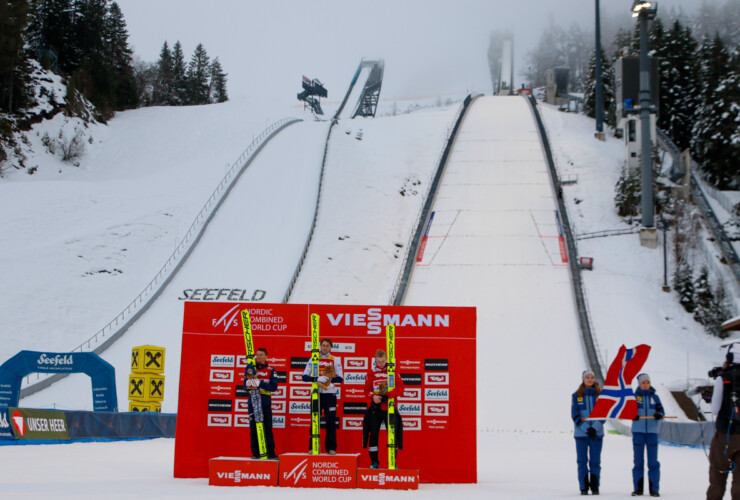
<point>435,356</point>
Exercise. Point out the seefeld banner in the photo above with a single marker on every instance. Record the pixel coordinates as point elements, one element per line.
<point>435,357</point>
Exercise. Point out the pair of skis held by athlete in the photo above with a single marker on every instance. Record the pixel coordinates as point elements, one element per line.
<point>254,393</point>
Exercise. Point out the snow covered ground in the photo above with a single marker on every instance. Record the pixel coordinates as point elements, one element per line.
<point>141,169</point>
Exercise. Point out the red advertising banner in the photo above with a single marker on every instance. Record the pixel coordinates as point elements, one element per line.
<point>436,358</point>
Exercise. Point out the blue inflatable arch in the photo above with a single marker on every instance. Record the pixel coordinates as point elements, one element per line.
<point>102,375</point>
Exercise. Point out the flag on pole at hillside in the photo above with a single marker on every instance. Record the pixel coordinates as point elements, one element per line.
<point>617,399</point>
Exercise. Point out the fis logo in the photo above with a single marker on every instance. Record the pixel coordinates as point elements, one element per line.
<point>298,472</point>
<point>355,363</point>
<point>441,378</point>
<point>229,319</point>
<point>222,360</point>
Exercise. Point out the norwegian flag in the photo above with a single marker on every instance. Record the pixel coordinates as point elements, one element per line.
<point>617,399</point>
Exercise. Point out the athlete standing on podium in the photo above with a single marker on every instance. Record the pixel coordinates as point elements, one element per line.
<point>330,373</point>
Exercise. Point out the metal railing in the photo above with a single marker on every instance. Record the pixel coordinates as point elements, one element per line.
<point>607,232</point>
<point>582,310</point>
<point>109,333</point>
<point>412,245</point>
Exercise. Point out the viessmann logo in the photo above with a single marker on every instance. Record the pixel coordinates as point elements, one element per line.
<point>375,320</point>
<point>238,476</point>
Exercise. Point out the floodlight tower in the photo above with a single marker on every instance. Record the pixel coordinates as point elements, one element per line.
<point>645,10</point>
<point>599,104</point>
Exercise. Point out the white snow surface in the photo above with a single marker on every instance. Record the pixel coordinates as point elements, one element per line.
<point>147,174</point>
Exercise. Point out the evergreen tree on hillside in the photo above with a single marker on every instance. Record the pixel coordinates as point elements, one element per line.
<point>14,66</point>
<point>52,30</point>
<point>198,77</point>
<point>164,83</point>
<point>716,139</point>
<point>179,82</point>
<point>607,90</point>
<point>704,297</point>
<point>218,83</point>
<point>125,95</point>
<point>678,90</point>
<point>683,284</point>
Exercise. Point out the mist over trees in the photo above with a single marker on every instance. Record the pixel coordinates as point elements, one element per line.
<point>699,72</point>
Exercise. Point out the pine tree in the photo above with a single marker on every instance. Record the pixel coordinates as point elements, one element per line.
<point>179,81</point>
<point>218,83</point>
<point>627,198</point>
<point>163,93</point>
<point>607,90</point>
<point>52,30</point>
<point>716,136</point>
<point>119,57</point>
<point>197,77</point>
<point>703,297</point>
<point>683,284</point>
<point>13,60</point>
<point>678,90</point>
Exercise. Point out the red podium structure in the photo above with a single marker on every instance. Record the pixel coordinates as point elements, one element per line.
<point>236,471</point>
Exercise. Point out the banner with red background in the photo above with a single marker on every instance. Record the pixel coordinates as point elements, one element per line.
<point>435,356</point>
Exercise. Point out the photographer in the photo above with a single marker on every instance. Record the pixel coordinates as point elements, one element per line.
<point>724,452</point>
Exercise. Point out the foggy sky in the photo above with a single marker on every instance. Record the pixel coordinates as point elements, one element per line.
<point>429,46</point>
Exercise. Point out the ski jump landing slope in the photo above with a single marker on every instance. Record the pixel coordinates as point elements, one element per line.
<point>265,218</point>
<point>493,244</point>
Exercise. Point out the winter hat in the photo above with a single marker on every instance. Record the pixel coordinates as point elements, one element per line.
<point>643,377</point>
<point>587,372</point>
<point>251,369</point>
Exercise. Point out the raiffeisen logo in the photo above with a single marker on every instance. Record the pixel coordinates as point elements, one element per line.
<point>56,360</point>
<point>375,320</point>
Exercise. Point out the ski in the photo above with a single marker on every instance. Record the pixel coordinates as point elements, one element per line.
<point>254,393</point>
<point>315,408</point>
<point>390,339</point>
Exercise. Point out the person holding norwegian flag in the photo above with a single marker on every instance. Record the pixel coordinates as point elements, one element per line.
<point>645,434</point>
<point>589,434</point>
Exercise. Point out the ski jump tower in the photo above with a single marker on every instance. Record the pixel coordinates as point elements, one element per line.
<point>312,91</point>
<point>367,104</point>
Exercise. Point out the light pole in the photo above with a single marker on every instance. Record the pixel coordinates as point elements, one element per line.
<point>597,70</point>
<point>645,10</point>
<point>664,227</point>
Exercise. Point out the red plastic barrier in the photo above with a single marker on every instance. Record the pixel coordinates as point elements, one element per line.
<point>436,348</point>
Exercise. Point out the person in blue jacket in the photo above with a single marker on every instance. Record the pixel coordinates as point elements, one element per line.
<point>589,434</point>
<point>645,434</point>
<point>261,376</point>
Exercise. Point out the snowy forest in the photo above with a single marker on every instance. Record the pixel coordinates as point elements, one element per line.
<point>86,42</point>
<point>699,66</point>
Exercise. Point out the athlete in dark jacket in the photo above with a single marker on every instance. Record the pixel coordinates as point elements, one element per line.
<point>376,389</point>
<point>645,435</point>
<point>261,376</point>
